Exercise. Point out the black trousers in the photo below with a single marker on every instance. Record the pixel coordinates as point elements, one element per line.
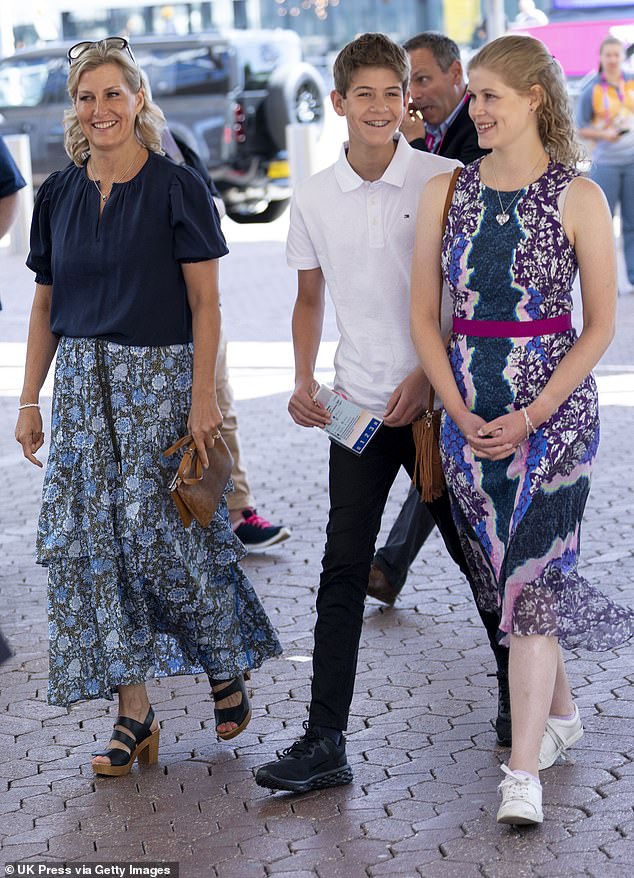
<point>359,487</point>
<point>410,530</point>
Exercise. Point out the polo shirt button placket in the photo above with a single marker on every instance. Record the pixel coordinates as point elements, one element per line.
<point>375,226</point>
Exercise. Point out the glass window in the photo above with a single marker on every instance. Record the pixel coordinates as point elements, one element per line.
<point>31,82</point>
<point>178,71</point>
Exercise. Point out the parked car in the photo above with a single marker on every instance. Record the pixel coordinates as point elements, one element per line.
<point>228,95</point>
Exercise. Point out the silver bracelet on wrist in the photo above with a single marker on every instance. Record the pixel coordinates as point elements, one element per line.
<point>28,405</point>
<point>528,423</point>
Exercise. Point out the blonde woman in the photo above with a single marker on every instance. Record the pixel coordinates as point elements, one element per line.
<point>125,246</point>
<point>521,428</point>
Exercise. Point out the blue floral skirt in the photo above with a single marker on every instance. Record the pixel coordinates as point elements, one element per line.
<point>133,594</point>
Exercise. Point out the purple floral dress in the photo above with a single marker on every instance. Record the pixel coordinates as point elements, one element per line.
<point>519,518</point>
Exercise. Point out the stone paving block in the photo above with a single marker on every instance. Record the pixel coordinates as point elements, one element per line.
<point>72,845</point>
<point>403,864</point>
<point>571,864</point>
<point>40,806</point>
<point>514,869</point>
<point>446,869</point>
<point>620,850</point>
<point>306,860</point>
<point>608,870</point>
<point>265,848</point>
<point>292,829</point>
<point>386,757</point>
<point>388,828</point>
<point>229,869</point>
<point>326,835</point>
<point>117,850</point>
<point>15,822</point>
<point>18,852</point>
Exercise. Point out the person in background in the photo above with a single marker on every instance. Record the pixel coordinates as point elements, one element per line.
<point>125,246</point>
<point>529,15</point>
<point>521,421</point>
<point>438,120</point>
<point>438,95</point>
<point>254,531</point>
<point>605,116</point>
<point>11,181</point>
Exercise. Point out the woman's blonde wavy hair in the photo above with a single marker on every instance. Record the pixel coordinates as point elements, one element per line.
<point>149,123</point>
<point>523,62</point>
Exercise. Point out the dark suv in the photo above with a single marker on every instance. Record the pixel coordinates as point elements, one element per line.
<point>228,95</point>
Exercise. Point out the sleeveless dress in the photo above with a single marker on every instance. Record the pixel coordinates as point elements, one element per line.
<point>519,518</point>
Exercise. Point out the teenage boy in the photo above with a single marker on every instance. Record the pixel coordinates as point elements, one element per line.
<point>352,227</point>
<point>439,123</point>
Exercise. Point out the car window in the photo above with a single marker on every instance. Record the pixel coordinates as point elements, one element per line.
<point>29,82</point>
<point>260,58</point>
<point>178,71</point>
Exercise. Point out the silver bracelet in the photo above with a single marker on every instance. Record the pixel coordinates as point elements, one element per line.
<point>28,405</point>
<point>528,423</point>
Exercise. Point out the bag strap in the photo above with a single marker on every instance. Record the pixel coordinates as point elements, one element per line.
<point>445,216</point>
<point>190,469</point>
<point>185,440</point>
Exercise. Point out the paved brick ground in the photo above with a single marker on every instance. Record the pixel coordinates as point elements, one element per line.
<point>420,740</point>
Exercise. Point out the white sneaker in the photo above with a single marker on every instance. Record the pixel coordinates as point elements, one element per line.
<point>521,799</point>
<point>559,735</point>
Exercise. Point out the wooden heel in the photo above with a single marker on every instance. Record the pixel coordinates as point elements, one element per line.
<point>149,754</point>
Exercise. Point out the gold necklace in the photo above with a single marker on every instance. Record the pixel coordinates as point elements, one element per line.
<point>103,197</point>
<point>503,216</point>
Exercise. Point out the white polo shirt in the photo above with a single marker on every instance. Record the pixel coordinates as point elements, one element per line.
<point>361,234</point>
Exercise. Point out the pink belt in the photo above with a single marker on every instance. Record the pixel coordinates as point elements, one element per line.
<point>512,328</point>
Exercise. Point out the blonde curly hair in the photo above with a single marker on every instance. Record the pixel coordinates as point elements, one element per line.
<point>149,123</point>
<point>523,62</point>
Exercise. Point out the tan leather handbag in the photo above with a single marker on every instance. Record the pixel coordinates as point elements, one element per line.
<point>428,474</point>
<point>197,491</point>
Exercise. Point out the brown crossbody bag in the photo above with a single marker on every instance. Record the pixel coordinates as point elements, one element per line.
<point>428,475</point>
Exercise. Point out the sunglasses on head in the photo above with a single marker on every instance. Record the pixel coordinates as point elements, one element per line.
<point>75,52</point>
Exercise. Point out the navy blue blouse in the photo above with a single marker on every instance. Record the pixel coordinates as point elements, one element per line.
<point>118,276</point>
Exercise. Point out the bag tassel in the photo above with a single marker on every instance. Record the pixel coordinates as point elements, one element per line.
<point>428,474</point>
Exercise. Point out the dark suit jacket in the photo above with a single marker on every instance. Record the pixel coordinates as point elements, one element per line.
<point>460,141</point>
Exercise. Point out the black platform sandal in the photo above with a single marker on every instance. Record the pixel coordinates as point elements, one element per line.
<point>240,714</point>
<point>142,744</point>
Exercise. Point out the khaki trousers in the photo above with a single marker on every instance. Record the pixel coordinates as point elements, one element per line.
<point>242,496</point>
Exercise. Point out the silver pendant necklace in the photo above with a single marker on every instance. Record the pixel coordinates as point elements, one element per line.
<point>103,197</point>
<point>503,216</point>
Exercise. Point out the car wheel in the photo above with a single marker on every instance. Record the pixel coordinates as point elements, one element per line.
<point>274,211</point>
<point>296,96</point>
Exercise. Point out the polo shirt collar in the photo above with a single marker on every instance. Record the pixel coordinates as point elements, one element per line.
<point>348,179</point>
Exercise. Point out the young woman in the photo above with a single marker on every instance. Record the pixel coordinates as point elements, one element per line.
<point>605,115</point>
<point>521,427</point>
<point>125,246</point>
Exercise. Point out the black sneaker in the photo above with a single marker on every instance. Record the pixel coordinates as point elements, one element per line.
<point>503,720</point>
<point>312,763</point>
<point>257,533</point>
